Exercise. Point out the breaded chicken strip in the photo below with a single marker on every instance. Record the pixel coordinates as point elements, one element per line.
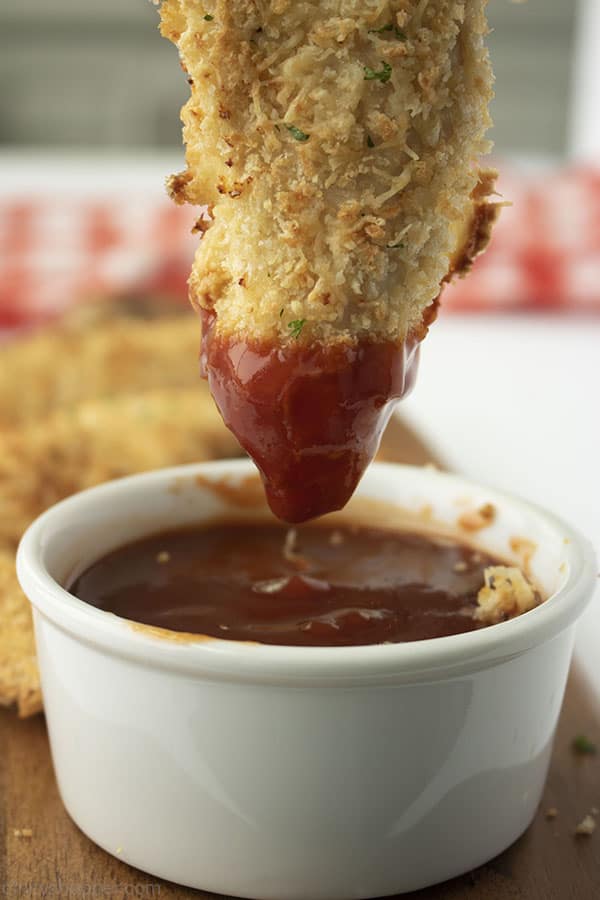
<point>59,367</point>
<point>44,461</point>
<point>336,144</point>
<point>19,676</point>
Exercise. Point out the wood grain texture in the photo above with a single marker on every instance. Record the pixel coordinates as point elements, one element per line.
<point>547,863</point>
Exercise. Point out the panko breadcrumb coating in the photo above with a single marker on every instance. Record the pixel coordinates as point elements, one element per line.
<point>337,145</point>
<point>50,445</point>
<point>93,357</point>
<point>47,460</point>
<point>19,676</point>
<point>505,594</point>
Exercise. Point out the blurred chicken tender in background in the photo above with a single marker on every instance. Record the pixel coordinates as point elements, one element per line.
<point>106,393</point>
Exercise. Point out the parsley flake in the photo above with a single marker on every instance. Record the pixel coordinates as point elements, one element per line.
<point>399,246</point>
<point>281,312</point>
<point>370,141</point>
<point>296,327</point>
<point>208,18</point>
<point>398,33</point>
<point>582,745</point>
<point>383,76</point>
<point>296,133</point>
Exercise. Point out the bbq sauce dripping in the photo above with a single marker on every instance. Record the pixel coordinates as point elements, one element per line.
<point>310,416</point>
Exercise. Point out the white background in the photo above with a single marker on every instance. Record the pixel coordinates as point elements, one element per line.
<point>514,401</point>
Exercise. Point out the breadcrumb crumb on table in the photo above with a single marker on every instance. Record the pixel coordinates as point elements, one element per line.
<point>586,827</point>
<point>505,594</point>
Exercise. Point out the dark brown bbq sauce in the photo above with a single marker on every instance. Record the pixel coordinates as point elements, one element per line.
<point>314,586</point>
<point>311,416</point>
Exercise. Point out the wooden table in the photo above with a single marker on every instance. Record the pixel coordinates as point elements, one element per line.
<point>57,860</point>
<point>547,863</point>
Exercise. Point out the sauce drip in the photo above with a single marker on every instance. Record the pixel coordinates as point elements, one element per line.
<point>313,586</point>
<point>310,416</point>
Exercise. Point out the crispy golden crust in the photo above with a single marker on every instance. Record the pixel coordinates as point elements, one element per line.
<point>44,461</point>
<point>19,677</point>
<point>505,594</point>
<point>476,233</point>
<point>336,144</point>
<point>94,358</point>
<point>52,444</point>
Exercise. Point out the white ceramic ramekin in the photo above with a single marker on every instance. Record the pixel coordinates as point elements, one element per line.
<point>296,773</point>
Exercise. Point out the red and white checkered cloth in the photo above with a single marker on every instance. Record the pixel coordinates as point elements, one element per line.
<point>56,251</point>
<point>545,249</point>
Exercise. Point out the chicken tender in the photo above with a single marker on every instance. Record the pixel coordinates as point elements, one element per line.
<point>19,676</point>
<point>45,461</point>
<point>92,357</point>
<point>336,144</point>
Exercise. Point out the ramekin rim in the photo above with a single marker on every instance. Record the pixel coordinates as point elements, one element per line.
<point>225,658</point>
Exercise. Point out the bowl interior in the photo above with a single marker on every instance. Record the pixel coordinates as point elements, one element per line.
<point>100,520</point>
<point>78,531</point>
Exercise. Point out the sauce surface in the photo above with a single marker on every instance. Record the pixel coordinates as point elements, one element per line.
<point>317,585</point>
<point>311,416</point>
